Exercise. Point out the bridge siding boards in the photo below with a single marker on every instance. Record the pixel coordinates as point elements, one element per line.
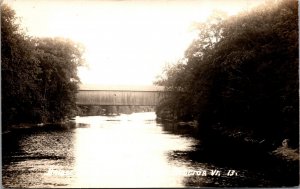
<point>118,98</point>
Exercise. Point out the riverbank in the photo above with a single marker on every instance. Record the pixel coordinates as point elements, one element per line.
<point>44,126</point>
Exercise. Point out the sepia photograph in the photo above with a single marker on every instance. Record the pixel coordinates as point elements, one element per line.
<point>149,93</point>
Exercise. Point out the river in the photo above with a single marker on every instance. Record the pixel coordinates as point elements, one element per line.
<point>113,151</point>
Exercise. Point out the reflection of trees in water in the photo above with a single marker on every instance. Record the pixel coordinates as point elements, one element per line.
<point>217,181</point>
<point>180,128</point>
<point>253,169</point>
<point>28,154</point>
<point>243,178</point>
<point>204,170</point>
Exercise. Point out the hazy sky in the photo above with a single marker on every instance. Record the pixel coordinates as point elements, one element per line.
<point>127,42</point>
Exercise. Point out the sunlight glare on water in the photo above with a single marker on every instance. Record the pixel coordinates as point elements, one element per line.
<point>122,152</point>
<point>114,151</point>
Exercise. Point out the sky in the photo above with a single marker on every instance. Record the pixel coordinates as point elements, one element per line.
<point>127,42</point>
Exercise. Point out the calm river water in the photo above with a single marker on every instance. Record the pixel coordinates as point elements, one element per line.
<point>112,151</point>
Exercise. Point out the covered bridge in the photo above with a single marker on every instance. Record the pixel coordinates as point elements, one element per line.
<point>119,95</point>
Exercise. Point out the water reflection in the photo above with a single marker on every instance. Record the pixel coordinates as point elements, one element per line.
<point>115,151</point>
<point>127,152</point>
<point>29,154</point>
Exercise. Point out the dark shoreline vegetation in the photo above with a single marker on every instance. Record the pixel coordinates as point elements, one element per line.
<point>238,84</point>
<point>39,75</point>
<point>239,81</point>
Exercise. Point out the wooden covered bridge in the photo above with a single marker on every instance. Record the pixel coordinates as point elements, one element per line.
<point>119,95</point>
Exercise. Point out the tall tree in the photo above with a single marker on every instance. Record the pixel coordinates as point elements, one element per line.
<point>180,77</point>
<point>39,76</point>
<point>247,77</point>
<point>19,70</point>
<point>59,59</point>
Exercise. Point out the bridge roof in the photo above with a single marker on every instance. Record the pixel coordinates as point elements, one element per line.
<point>95,87</point>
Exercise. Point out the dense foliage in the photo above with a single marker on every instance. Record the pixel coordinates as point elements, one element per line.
<point>39,75</point>
<point>241,73</point>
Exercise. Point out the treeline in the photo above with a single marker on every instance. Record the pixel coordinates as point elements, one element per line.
<point>240,75</point>
<point>38,75</point>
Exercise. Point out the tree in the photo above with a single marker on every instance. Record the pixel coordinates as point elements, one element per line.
<point>246,76</point>
<point>59,59</point>
<point>19,71</point>
<point>257,60</point>
<point>180,78</point>
<point>39,76</point>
